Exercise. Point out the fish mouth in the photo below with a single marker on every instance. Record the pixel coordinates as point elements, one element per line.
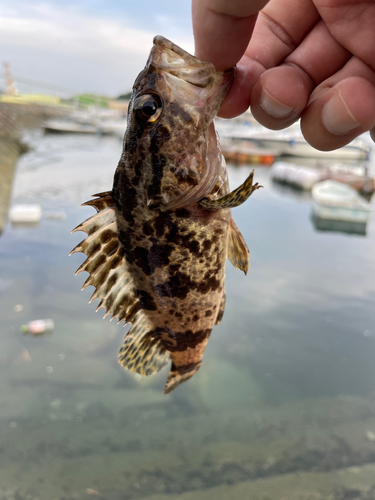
<point>168,46</point>
<point>170,58</point>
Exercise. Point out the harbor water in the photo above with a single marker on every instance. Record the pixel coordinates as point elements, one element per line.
<point>283,406</point>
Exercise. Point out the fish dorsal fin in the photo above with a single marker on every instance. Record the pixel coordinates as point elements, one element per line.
<point>238,252</point>
<point>234,198</point>
<point>106,262</point>
<point>142,351</point>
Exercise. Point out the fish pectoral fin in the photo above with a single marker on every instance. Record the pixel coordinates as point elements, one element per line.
<point>106,262</point>
<point>233,199</point>
<point>143,352</point>
<point>238,252</point>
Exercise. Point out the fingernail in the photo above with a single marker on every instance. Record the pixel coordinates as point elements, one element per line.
<point>272,106</point>
<point>336,116</point>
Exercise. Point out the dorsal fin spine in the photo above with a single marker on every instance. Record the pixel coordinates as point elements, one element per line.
<point>106,264</point>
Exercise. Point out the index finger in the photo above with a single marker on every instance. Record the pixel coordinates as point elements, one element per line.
<point>222,29</point>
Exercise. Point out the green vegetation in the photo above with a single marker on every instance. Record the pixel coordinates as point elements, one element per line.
<point>91,100</point>
<point>97,100</point>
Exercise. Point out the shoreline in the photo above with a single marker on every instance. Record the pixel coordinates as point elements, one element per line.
<point>14,119</point>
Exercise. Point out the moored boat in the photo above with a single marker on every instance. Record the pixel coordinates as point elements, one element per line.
<point>333,200</point>
<point>305,177</point>
<point>295,175</point>
<point>290,142</point>
<point>67,126</point>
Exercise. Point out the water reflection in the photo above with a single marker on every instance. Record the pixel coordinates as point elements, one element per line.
<point>291,191</point>
<point>339,226</point>
<point>283,406</point>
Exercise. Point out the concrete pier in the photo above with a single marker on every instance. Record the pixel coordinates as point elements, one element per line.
<point>10,149</point>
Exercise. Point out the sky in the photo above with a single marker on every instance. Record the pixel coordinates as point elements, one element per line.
<point>95,46</point>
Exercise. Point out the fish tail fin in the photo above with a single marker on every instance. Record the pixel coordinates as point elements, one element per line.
<point>142,351</point>
<point>179,374</point>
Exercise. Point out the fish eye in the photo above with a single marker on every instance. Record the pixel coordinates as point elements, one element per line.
<point>148,108</point>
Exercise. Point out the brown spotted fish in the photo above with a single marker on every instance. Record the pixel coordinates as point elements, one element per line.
<point>156,247</point>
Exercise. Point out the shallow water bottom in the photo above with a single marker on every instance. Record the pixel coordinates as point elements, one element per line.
<point>133,444</point>
<point>315,449</point>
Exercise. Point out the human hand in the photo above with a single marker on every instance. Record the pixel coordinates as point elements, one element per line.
<point>308,59</point>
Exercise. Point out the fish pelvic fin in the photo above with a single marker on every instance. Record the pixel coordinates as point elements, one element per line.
<point>179,374</point>
<point>142,351</point>
<point>234,198</point>
<point>238,252</point>
<point>106,262</point>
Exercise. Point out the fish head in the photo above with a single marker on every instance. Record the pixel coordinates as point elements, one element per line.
<point>170,126</point>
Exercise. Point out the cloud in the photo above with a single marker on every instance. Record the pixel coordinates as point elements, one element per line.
<point>65,46</point>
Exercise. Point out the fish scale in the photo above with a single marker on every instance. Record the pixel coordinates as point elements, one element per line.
<point>156,248</point>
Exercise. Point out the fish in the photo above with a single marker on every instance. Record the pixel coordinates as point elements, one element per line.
<point>157,245</point>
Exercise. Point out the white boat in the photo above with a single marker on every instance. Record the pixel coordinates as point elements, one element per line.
<point>67,126</point>
<point>89,121</point>
<point>333,200</point>
<point>290,142</point>
<point>304,177</point>
<point>296,175</point>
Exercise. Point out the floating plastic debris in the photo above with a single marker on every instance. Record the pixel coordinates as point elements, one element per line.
<point>38,326</point>
<point>20,214</point>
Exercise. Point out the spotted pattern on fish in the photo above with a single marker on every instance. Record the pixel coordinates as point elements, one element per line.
<point>156,248</point>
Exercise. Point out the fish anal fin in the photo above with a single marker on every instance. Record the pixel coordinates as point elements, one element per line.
<point>106,263</point>
<point>179,374</point>
<point>142,351</point>
<point>234,198</point>
<point>238,252</point>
